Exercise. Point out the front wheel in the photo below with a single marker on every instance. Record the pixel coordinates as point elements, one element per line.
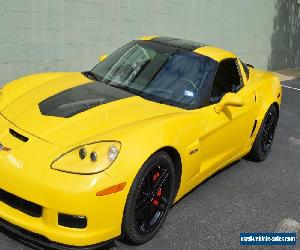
<point>264,139</point>
<point>149,199</point>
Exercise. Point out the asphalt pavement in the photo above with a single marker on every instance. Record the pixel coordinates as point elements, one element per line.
<point>245,197</point>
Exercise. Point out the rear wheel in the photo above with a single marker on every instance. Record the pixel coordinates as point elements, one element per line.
<point>149,199</point>
<point>264,139</point>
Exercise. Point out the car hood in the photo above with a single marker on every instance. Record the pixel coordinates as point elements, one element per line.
<point>64,111</point>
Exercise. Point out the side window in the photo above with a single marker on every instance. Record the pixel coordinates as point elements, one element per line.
<point>227,79</point>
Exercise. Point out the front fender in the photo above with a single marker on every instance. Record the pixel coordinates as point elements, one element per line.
<point>139,141</point>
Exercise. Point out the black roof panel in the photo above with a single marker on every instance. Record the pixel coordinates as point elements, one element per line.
<point>178,43</point>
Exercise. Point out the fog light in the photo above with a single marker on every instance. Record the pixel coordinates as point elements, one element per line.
<point>72,221</point>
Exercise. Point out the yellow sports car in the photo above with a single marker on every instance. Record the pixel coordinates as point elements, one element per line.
<point>89,157</point>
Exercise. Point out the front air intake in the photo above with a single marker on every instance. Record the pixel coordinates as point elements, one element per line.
<point>20,204</point>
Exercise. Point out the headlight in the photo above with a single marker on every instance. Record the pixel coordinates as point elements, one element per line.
<point>89,158</point>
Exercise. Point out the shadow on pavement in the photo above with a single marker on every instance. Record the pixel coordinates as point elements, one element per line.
<point>285,41</point>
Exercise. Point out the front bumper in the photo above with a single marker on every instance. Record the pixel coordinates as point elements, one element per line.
<point>104,214</point>
<point>39,240</point>
<point>26,174</point>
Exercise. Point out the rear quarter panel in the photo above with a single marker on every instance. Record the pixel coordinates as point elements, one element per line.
<point>268,91</point>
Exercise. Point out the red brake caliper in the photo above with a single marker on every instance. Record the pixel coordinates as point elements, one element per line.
<point>155,201</point>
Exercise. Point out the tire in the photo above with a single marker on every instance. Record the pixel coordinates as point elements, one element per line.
<point>149,199</point>
<point>264,138</point>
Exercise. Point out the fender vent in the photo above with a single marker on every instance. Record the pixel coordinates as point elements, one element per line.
<point>254,127</point>
<point>18,136</point>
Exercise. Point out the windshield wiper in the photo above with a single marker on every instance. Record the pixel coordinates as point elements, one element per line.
<point>141,94</point>
<point>91,75</point>
<point>126,88</point>
<point>152,98</point>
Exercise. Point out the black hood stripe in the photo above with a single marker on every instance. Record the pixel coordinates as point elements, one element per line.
<point>81,98</point>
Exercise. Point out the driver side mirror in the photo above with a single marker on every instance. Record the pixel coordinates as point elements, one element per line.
<point>102,57</point>
<point>230,99</point>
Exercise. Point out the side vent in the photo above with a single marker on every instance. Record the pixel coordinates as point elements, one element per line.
<point>18,136</point>
<point>254,127</point>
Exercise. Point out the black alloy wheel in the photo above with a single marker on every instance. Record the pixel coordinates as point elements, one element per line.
<point>149,199</point>
<point>153,198</point>
<point>268,131</point>
<point>264,138</point>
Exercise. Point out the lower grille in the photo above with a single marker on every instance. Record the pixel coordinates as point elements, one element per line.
<point>20,204</point>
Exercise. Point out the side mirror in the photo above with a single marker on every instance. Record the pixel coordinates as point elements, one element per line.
<point>102,57</point>
<point>230,99</point>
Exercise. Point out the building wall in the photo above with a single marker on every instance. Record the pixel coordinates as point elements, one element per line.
<point>69,35</point>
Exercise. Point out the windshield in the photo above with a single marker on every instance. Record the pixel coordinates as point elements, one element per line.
<point>158,73</point>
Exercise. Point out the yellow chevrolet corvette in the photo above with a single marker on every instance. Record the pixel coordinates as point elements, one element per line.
<point>89,157</point>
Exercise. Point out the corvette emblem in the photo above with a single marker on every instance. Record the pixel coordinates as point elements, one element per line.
<point>3,148</point>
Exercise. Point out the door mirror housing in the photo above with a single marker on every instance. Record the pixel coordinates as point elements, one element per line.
<point>102,57</point>
<point>230,99</point>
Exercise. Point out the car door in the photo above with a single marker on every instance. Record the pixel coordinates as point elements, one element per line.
<point>227,133</point>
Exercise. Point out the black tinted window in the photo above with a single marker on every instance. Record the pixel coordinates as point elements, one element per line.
<point>227,79</point>
<point>182,78</point>
<point>159,73</point>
